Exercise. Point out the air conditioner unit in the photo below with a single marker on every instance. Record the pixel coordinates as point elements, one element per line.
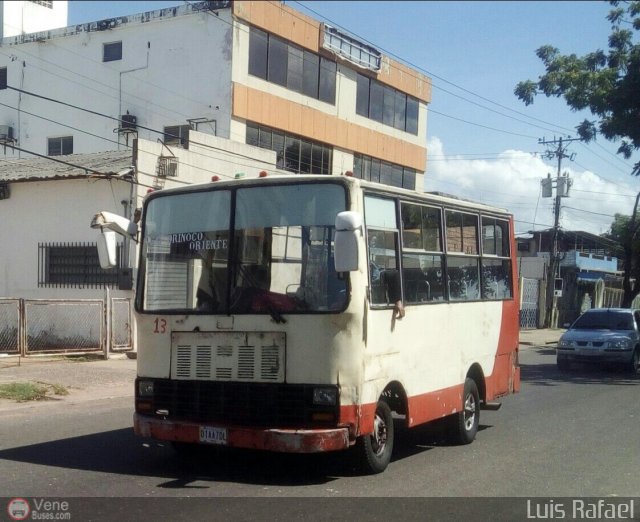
<point>128,121</point>
<point>6,133</point>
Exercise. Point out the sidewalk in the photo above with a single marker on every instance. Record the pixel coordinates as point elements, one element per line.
<point>86,380</point>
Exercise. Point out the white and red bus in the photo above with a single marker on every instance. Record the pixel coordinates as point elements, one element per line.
<point>296,313</point>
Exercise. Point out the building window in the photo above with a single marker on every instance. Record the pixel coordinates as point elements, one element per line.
<point>60,146</point>
<point>384,104</point>
<point>293,153</point>
<point>112,52</point>
<point>277,61</point>
<point>74,265</point>
<point>177,135</point>
<point>372,169</point>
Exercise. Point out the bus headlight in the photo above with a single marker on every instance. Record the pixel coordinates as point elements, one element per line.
<point>325,396</point>
<point>145,388</point>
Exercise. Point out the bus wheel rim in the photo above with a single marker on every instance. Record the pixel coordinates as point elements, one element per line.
<point>379,435</point>
<point>469,411</point>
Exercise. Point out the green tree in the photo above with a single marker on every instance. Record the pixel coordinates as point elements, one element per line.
<point>608,85</point>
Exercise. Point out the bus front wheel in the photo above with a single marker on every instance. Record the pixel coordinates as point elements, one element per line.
<point>465,423</point>
<point>375,449</point>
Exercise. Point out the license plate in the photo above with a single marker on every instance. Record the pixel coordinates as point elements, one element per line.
<point>213,435</point>
<point>588,352</point>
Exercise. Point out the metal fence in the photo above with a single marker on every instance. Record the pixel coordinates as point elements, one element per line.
<point>45,326</point>
<point>529,305</point>
<point>612,298</point>
<point>121,320</point>
<point>10,326</point>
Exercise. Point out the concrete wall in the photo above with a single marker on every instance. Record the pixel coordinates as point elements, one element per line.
<point>50,212</point>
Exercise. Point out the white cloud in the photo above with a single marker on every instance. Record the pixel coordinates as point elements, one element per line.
<point>511,180</point>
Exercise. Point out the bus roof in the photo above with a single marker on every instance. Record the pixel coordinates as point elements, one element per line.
<point>426,197</point>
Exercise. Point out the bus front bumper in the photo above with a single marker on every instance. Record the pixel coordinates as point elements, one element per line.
<point>281,440</point>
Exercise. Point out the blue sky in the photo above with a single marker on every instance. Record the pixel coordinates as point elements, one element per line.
<point>482,141</point>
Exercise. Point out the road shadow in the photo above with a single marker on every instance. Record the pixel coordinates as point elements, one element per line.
<point>121,452</point>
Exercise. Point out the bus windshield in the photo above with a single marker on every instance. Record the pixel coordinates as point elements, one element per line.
<point>273,255</point>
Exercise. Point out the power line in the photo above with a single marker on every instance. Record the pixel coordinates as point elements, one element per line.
<point>482,126</point>
<point>587,211</point>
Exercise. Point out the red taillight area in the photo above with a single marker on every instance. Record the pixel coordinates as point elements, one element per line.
<point>143,406</point>
<point>263,174</point>
<point>323,417</point>
<point>215,178</point>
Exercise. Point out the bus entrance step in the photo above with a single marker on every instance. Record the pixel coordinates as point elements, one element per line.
<point>493,406</point>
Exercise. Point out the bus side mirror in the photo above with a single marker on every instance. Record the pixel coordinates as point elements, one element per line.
<point>111,224</point>
<point>346,250</point>
<point>107,249</point>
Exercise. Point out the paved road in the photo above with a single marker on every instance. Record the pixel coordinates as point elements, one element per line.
<point>564,435</point>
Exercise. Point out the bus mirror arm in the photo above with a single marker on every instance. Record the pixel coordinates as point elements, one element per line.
<point>111,224</point>
<point>349,227</point>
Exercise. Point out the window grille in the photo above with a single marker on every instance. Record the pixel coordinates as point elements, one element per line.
<point>167,167</point>
<point>74,265</point>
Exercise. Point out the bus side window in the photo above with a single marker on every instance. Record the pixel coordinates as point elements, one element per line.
<point>383,267</point>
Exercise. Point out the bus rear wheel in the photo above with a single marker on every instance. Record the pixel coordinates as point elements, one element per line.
<point>375,449</point>
<point>465,423</point>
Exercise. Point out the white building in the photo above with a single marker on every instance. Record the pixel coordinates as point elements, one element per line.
<point>17,17</point>
<point>224,87</point>
<point>253,72</point>
<point>51,283</point>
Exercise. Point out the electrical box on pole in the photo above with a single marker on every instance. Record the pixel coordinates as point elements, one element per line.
<point>558,286</point>
<point>563,185</point>
<point>547,186</point>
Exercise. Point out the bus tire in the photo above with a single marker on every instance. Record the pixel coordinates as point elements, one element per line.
<point>465,424</point>
<point>375,449</point>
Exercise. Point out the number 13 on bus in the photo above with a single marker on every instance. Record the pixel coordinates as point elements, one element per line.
<point>311,313</point>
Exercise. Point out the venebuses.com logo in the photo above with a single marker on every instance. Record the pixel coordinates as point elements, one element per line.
<point>18,509</point>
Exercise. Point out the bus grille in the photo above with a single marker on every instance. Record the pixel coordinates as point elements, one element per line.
<point>228,356</point>
<point>276,405</point>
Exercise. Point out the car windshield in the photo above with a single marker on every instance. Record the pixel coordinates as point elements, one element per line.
<point>604,320</point>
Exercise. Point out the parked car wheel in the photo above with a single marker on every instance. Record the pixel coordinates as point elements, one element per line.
<point>634,365</point>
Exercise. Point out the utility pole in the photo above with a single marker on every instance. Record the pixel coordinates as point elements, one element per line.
<point>562,185</point>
